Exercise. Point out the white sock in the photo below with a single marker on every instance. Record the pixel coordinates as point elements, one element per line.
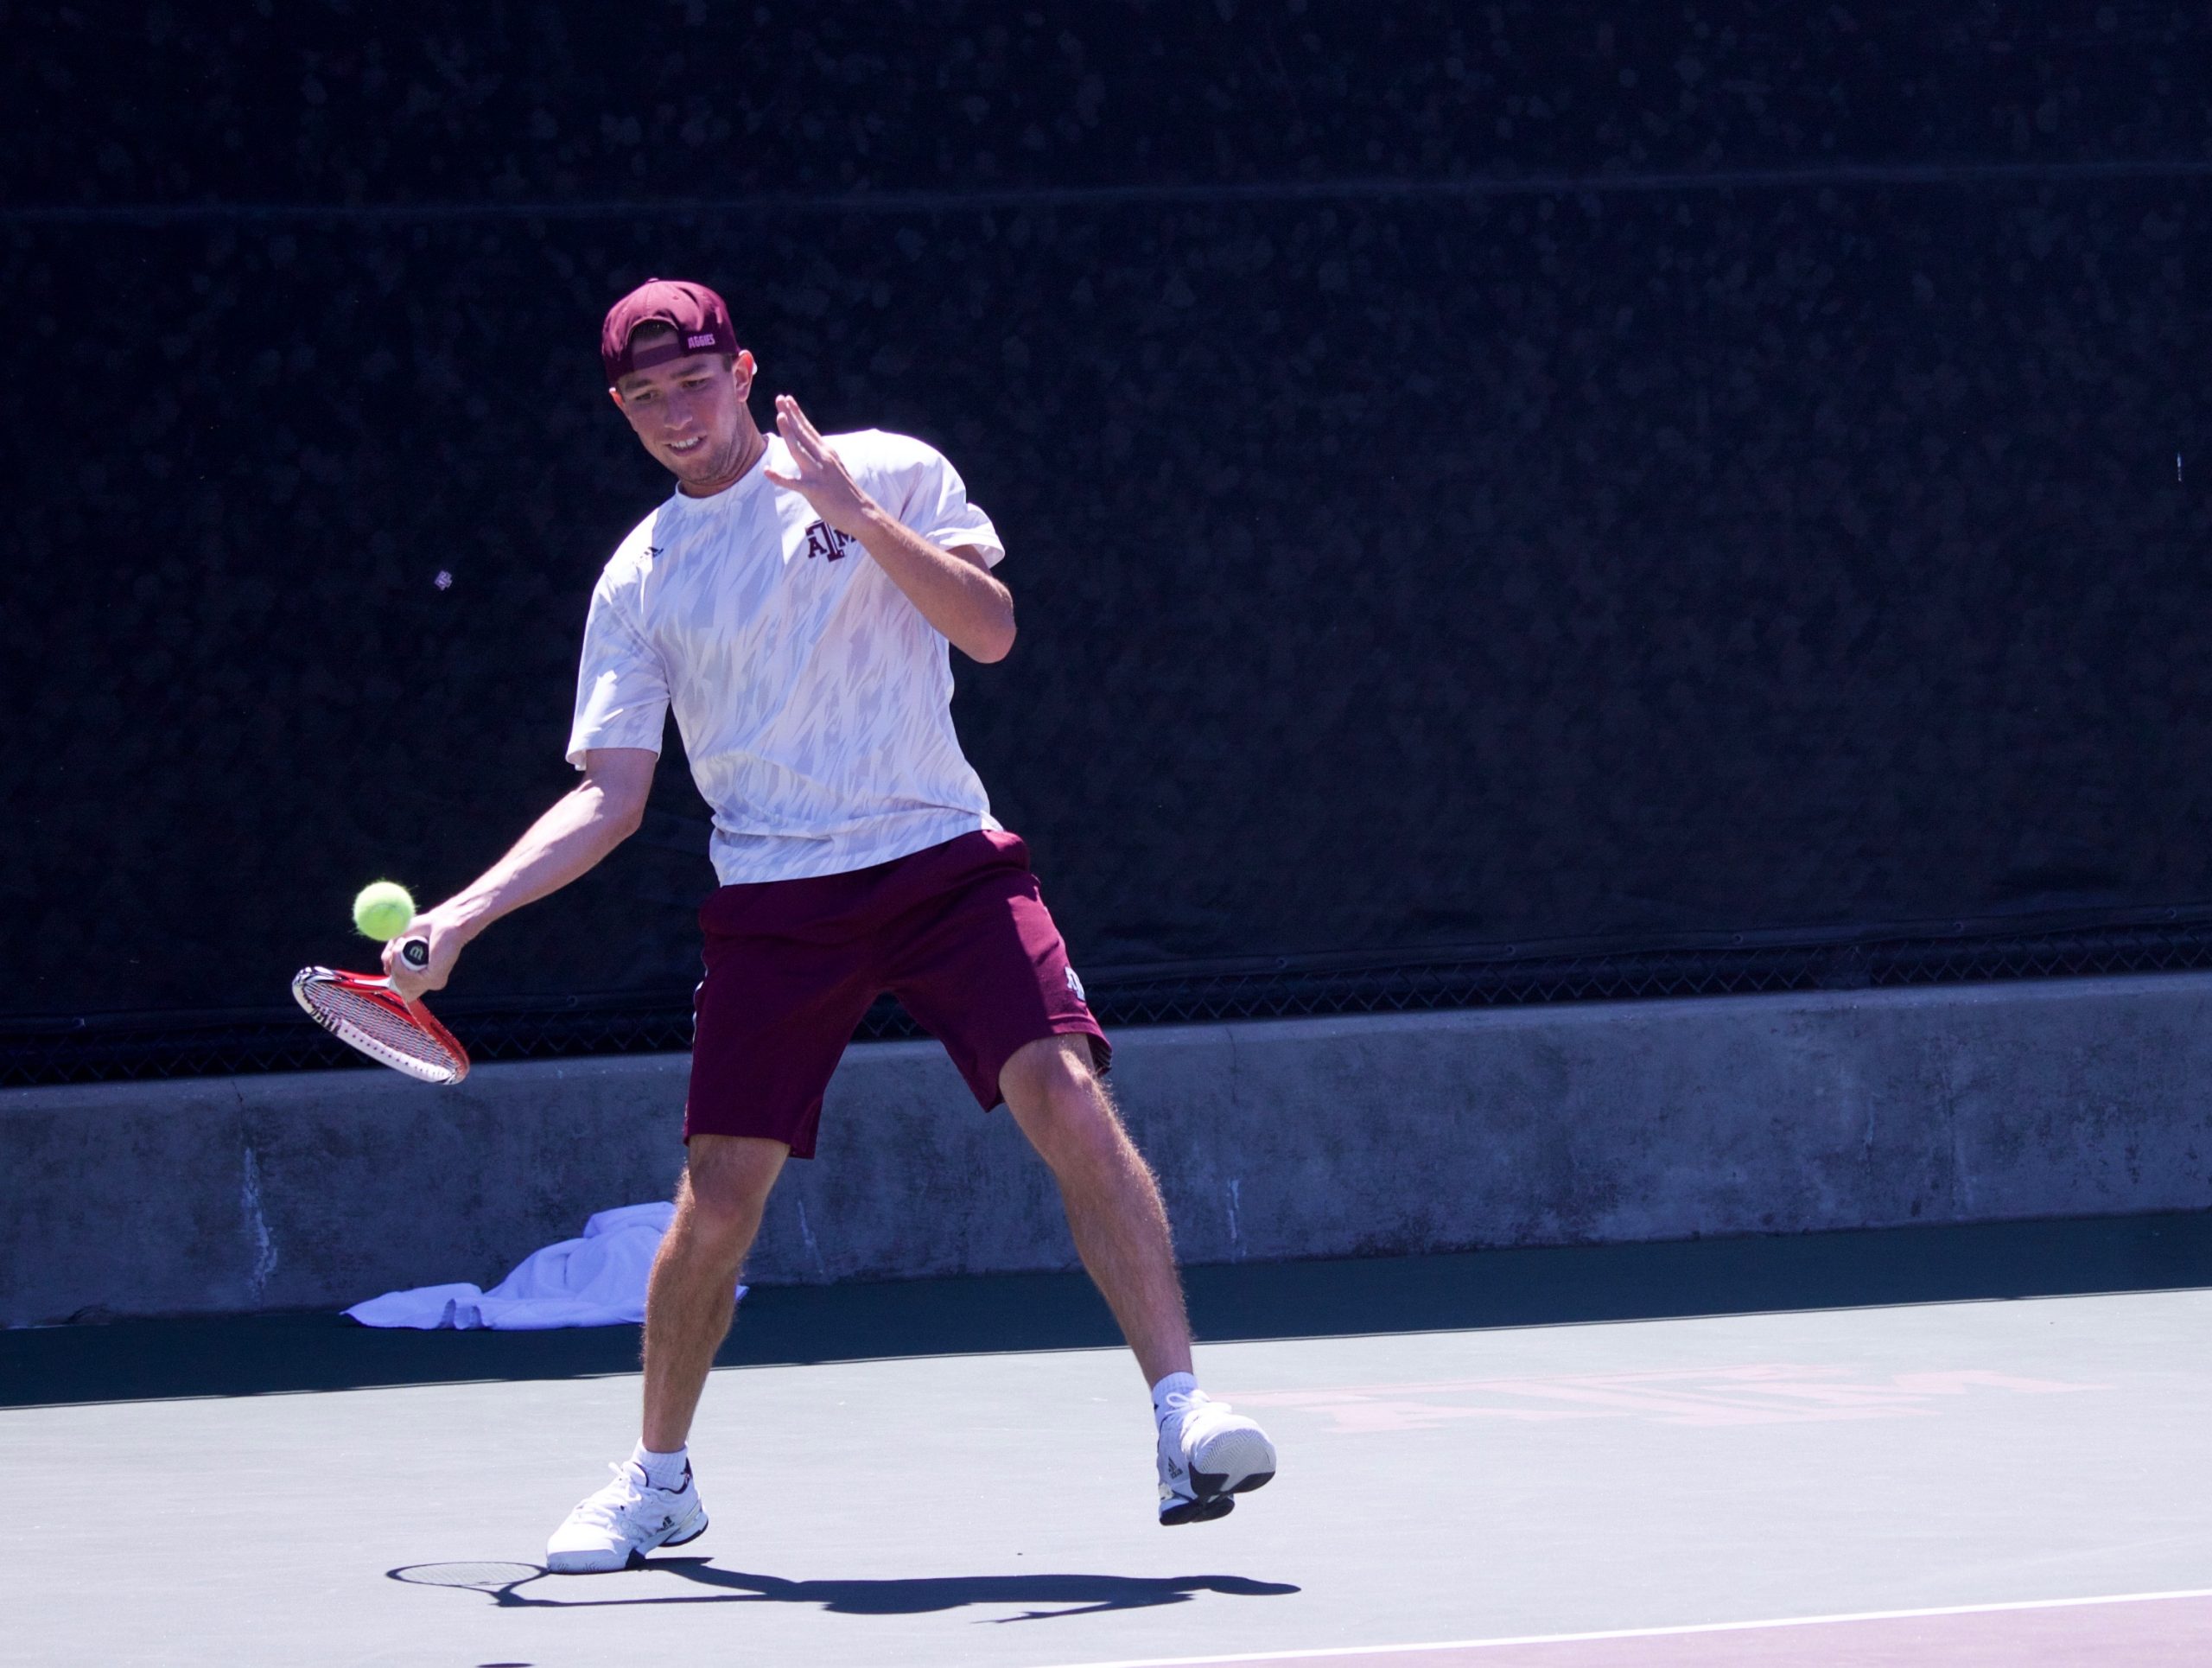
<point>1174,1382</point>
<point>662,1470</point>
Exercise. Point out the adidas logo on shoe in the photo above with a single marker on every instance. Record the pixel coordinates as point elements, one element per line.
<point>1207,1456</point>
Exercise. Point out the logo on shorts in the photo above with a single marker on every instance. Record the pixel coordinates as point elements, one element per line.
<point>1076,985</point>
<point>822,539</point>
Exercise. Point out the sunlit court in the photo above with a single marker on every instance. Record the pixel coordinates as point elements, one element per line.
<point>1118,836</point>
<point>1928,1468</point>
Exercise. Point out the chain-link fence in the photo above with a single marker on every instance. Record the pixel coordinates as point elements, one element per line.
<point>99,1049</point>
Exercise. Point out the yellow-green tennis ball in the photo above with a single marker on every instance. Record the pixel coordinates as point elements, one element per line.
<point>383,910</point>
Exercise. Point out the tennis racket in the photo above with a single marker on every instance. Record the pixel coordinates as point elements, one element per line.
<point>364,1010</point>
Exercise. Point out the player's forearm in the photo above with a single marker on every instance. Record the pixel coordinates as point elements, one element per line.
<point>566,843</point>
<point>973,611</point>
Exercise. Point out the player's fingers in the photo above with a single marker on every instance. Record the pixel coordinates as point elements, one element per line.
<point>788,482</point>
<point>786,405</point>
<point>411,982</point>
<point>795,439</point>
<point>812,450</point>
<point>805,452</point>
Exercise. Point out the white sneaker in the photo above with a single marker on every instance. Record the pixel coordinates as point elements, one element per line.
<point>1207,1456</point>
<point>624,1521</point>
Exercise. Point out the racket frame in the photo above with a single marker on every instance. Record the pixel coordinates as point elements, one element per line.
<point>378,989</point>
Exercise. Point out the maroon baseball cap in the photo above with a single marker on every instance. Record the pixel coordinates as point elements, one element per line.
<point>693,311</point>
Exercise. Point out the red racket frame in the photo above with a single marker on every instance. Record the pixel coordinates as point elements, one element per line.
<point>376,991</point>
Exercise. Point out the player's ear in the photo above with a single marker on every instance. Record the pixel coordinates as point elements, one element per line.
<point>742,368</point>
<point>615,394</point>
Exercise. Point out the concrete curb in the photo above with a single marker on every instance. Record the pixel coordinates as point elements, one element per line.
<point>1397,1134</point>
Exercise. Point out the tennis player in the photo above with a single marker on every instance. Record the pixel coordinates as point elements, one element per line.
<point>792,602</point>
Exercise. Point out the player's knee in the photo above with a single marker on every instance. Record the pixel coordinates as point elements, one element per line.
<point>1064,1109</point>
<point>1050,1073</point>
<point>725,1186</point>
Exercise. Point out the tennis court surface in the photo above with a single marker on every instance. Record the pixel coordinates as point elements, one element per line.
<point>1973,1446</point>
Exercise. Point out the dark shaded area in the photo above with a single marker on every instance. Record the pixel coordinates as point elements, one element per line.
<point>1756,502</point>
<point>1071,1595</point>
<point>130,1361</point>
<point>414,104</point>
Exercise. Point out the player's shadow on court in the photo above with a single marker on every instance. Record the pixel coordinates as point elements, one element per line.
<point>1069,1596</point>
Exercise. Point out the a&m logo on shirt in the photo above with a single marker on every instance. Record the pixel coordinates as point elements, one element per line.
<point>822,539</point>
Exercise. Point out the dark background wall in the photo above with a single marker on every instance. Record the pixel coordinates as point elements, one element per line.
<point>1474,475</point>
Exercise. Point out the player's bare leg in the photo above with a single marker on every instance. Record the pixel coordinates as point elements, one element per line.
<point>1207,1456</point>
<point>652,1502</point>
<point>690,1297</point>
<point>1113,1202</point>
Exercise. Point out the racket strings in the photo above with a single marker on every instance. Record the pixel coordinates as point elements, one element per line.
<point>380,1027</point>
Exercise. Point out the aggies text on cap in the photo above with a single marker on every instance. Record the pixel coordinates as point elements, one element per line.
<point>693,311</point>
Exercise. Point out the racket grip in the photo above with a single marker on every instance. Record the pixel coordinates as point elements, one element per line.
<point>416,952</point>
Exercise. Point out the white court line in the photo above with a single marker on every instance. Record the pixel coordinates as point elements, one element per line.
<point>1644,1633</point>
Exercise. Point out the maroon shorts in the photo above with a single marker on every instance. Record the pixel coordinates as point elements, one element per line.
<point>958,933</point>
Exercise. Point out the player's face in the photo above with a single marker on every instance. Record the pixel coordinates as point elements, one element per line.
<point>690,413</point>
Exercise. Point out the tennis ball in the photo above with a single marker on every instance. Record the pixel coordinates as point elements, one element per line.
<point>383,910</point>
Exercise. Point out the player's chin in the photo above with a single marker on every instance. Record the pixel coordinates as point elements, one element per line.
<point>693,468</point>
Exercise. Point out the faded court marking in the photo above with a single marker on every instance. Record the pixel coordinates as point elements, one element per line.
<point>1759,1394</point>
<point>1380,1654</point>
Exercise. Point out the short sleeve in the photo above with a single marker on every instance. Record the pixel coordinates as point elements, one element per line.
<point>621,687</point>
<point>934,501</point>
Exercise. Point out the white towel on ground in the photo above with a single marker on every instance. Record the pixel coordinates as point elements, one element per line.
<point>598,1280</point>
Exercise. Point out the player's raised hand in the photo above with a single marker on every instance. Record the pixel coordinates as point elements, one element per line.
<point>819,475</point>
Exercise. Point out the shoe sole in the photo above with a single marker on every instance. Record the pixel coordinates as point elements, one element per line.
<point>1205,1510</point>
<point>1246,1461</point>
<point>595,1563</point>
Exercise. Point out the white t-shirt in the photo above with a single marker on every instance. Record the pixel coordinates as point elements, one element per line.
<point>813,698</point>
